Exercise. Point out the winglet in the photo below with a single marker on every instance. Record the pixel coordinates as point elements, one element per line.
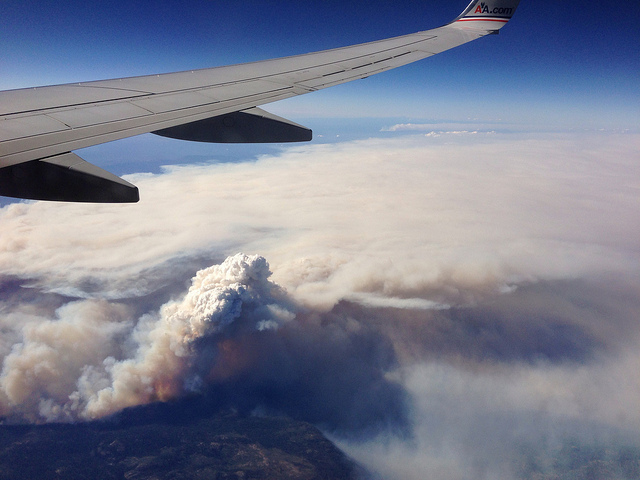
<point>488,15</point>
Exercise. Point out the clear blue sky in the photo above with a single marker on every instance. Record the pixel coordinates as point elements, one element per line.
<point>557,65</point>
<point>582,55</point>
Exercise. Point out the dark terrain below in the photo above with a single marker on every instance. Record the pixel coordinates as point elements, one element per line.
<point>224,446</point>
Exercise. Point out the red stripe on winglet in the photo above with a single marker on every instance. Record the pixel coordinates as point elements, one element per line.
<point>482,20</point>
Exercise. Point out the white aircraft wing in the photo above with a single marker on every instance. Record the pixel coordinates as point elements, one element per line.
<point>40,127</point>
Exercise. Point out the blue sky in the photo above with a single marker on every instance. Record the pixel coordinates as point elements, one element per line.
<point>560,64</point>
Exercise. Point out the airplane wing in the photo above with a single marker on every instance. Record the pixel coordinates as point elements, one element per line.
<point>40,127</point>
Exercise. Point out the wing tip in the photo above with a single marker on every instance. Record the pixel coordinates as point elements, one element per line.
<point>490,15</point>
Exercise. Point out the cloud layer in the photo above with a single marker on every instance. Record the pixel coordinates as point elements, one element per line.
<point>427,291</point>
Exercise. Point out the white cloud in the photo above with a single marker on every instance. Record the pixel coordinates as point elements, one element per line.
<point>377,215</point>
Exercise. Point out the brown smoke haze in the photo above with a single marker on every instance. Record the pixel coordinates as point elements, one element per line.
<point>443,304</point>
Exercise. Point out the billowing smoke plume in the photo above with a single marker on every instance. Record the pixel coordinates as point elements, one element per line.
<point>233,329</point>
<point>118,362</point>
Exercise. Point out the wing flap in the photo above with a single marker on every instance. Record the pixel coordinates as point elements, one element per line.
<point>39,98</point>
<point>95,115</point>
<point>27,126</point>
